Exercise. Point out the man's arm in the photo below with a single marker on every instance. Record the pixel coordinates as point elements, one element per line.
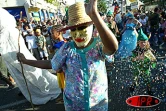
<point>108,38</point>
<point>44,64</point>
<point>138,24</point>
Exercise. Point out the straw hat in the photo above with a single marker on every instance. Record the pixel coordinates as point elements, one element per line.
<point>77,16</point>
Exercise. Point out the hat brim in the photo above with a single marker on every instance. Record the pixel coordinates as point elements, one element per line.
<point>74,26</point>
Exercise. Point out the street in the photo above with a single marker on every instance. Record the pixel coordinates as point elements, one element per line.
<point>121,79</point>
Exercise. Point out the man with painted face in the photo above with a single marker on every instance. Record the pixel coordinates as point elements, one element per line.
<point>83,59</point>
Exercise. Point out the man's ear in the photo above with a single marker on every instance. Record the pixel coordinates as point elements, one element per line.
<point>59,33</point>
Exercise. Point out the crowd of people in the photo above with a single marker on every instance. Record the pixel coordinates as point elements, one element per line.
<point>77,49</point>
<point>39,39</point>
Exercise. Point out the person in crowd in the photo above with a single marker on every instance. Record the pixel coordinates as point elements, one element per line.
<point>163,34</point>
<point>83,59</point>
<point>143,60</point>
<point>58,36</point>
<point>124,19</point>
<point>129,37</point>
<point>49,26</point>
<point>43,85</point>
<point>25,29</point>
<point>5,75</point>
<point>143,21</point>
<point>118,20</point>
<point>112,24</point>
<point>47,36</point>
<point>154,20</point>
<point>41,42</point>
<point>31,43</point>
<point>44,30</point>
<point>33,24</point>
<point>25,22</point>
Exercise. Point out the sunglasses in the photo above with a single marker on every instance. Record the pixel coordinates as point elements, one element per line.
<point>79,28</point>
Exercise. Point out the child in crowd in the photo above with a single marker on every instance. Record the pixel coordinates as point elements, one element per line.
<point>143,60</point>
<point>58,36</point>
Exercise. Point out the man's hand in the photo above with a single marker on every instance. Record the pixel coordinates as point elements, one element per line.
<point>21,57</point>
<point>91,7</point>
<point>134,59</point>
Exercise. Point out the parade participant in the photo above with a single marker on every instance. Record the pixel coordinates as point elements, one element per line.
<point>43,85</point>
<point>112,24</point>
<point>82,59</point>
<point>129,37</point>
<point>143,60</point>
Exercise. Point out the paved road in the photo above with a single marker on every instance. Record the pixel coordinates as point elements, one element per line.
<point>118,90</point>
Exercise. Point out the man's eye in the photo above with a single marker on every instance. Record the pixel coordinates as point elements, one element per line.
<point>74,29</point>
<point>82,27</point>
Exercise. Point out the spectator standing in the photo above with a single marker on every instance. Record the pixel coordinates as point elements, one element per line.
<point>118,20</point>
<point>41,42</point>
<point>143,21</point>
<point>112,24</point>
<point>154,20</point>
<point>31,43</point>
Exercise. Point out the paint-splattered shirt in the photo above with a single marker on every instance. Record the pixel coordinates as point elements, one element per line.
<point>85,75</point>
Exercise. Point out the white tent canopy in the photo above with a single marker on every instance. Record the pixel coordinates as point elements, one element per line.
<point>42,84</point>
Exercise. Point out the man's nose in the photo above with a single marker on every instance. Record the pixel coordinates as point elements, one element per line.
<point>77,34</point>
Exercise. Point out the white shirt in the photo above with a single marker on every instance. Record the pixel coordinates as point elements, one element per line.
<point>142,21</point>
<point>31,40</point>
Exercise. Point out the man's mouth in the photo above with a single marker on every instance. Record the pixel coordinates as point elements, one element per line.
<point>79,39</point>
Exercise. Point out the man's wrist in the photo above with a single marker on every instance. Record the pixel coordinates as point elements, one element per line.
<point>24,61</point>
<point>94,15</point>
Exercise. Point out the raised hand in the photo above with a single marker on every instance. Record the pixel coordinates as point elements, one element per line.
<point>91,7</point>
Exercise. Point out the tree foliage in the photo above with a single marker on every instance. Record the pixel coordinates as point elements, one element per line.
<point>49,1</point>
<point>54,2</point>
<point>102,5</point>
